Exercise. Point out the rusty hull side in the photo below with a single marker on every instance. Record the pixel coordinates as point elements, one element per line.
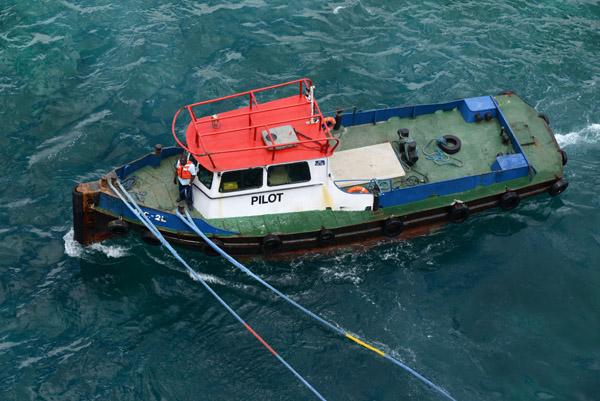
<point>89,226</point>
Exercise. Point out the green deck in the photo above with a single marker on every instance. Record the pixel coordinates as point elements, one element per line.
<point>481,142</point>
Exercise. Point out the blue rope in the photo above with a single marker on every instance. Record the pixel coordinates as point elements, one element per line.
<point>440,157</point>
<point>190,223</point>
<point>137,211</point>
<point>383,185</point>
<point>128,184</point>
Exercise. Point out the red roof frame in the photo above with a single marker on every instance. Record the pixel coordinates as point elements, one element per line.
<point>233,139</point>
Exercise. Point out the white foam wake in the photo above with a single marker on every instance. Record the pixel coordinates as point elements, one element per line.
<point>75,250</point>
<point>589,134</point>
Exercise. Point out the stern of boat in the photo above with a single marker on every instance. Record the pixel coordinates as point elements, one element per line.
<point>88,225</point>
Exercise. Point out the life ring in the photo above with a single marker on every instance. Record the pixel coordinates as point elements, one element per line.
<point>558,187</point>
<point>326,237</point>
<point>509,200</point>
<point>459,213</point>
<point>451,146</point>
<point>149,238</point>
<point>270,244</point>
<point>208,250</point>
<point>329,122</point>
<point>359,189</point>
<point>118,227</point>
<point>393,226</point>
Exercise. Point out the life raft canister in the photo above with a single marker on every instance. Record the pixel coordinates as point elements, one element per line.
<point>184,171</point>
<point>359,189</point>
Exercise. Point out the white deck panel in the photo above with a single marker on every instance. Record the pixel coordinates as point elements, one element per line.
<point>362,164</point>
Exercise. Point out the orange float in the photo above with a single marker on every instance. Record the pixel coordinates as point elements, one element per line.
<point>359,189</point>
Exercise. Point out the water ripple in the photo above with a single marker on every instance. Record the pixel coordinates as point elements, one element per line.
<point>87,86</point>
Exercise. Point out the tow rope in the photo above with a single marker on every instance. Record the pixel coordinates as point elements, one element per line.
<point>190,223</point>
<point>140,214</point>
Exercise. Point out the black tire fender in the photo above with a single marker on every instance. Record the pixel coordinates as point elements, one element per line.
<point>558,187</point>
<point>149,238</point>
<point>326,237</point>
<point>451,146</point>
<point>209,251</point>
<point>459,212</point>
<point>118,227</point>
<point>393,226</point>
<point>564,157</point>
<point>544,117</point>
<point>509,200</point>
<point>270,244</point>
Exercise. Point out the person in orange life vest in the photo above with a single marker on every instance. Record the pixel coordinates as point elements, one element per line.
<point>185,173</point>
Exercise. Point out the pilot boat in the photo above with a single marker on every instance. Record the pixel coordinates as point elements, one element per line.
<point>276,175</point>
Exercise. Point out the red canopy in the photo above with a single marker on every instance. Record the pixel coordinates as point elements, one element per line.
<point>234,139</point>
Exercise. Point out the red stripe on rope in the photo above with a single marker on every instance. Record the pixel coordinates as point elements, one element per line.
<point>260,339</point>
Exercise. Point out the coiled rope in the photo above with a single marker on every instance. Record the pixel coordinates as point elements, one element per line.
<point>190,223</point>
<point>137,211</point>
<point>440,157</point>
<point>128,184</point>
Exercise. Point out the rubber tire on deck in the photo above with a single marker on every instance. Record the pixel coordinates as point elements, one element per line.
<point>149,238</point>
<point>326,237</point>
<point>558,187</point>
<point>118,227</point>
<point>209,251</point>
<point>393,226</point>
<point>451,146</point>
<point>270,244</point>
<point>509,200</point>
<point>459,213</point>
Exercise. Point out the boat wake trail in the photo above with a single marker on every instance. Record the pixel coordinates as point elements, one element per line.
<point>75,250</point>
<point>589,134</point>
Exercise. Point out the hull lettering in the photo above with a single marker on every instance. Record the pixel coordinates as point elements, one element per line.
<point>264,199</point>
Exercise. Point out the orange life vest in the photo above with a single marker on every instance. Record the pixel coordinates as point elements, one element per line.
<point>184,171</point>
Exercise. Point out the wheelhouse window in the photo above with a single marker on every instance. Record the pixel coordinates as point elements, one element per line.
<point>288,174</point>
<point>205,176</point>
<point>241,179</point>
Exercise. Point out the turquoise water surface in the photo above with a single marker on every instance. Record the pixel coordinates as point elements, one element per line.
<point>505,306</point>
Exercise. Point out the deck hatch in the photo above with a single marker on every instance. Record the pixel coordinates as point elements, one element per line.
<point>360,165</point>
<point>285,136</point>
<point>522,133</point>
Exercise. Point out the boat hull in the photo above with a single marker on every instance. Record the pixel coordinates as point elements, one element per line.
<point>92,225</point>
<point>509,153</point>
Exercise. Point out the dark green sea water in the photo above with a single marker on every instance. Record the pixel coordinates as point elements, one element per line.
<point>505,306</point>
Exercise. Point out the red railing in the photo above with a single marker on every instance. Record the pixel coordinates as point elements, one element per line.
<point>315,115</point>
